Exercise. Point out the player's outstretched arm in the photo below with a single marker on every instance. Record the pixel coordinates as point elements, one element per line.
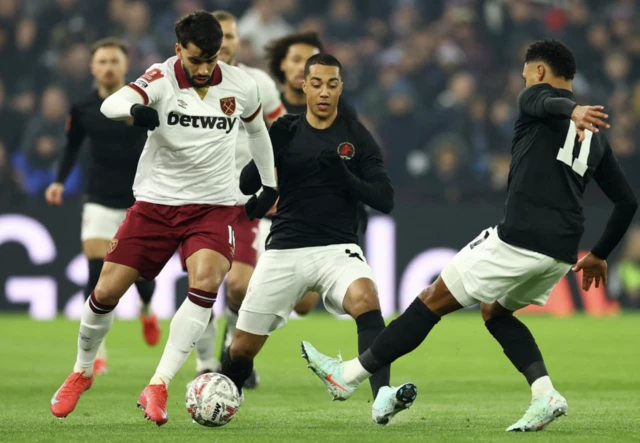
<point>541,101</point>
<point>614,184</point>
<point>75,137</point>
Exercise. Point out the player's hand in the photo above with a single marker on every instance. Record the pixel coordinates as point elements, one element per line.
<point>593,268</point>
<point>259,205</point>
<point>282,130</point>
<point>589,118</point>
<point>330,159</point>
<point>53,194</point>
<point>145,117</point>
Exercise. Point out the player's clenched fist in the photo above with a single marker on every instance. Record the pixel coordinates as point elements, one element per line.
<point>145,117</point>
<point>330,160</point>
<point>53,194</point>
<point>259,205</point>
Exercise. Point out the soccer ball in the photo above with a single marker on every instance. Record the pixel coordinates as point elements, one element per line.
<point>212,400</point>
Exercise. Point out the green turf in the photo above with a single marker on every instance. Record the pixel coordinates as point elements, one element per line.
<point>467,388</point>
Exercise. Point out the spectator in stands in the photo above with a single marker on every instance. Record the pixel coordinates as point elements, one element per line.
<point>43,140</point>
<point>143,49</point>
<point>343,24</point>
<point>10,123</point>
<point>261,24</point>
<point>450,177</point>
<point>74,75</point>
<point>10,191</point>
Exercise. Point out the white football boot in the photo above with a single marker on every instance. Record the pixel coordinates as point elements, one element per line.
<point>391,400</point>
<point>329,370</point>
<point>541,412</point>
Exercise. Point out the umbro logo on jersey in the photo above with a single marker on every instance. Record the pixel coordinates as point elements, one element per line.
<point>195,121</point>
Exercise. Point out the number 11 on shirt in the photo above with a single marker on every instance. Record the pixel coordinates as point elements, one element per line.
<point>565,154</point>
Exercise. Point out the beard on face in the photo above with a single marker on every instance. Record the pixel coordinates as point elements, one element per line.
<point>195,84</point>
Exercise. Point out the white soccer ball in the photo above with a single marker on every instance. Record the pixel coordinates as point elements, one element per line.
<point>212,400</point>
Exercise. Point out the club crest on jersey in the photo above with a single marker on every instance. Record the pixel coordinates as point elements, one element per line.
<point>228,105</point>
<point>346,150</point>
<point>112,246</point>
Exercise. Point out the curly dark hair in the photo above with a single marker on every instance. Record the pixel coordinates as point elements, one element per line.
<point>277,50</point>
<point>202,29</point>
<point>554,53</point>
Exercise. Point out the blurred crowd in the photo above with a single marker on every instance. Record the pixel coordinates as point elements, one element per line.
<point>436,81</point>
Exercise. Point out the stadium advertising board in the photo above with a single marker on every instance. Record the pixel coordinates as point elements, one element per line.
<point>43,269</point>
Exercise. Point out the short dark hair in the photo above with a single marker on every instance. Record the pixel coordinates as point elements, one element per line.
<point>277,50</point>
<point>109,42</point>
<point>202,29</point>
<point>321,59</point>
<point>554,53</point>
<point>222,16</point>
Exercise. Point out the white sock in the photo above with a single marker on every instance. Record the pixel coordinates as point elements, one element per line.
<point>93,329</point>
<point>102,351</point>
<point>187,326</point>
<point>232,320</point>
<point>541,386</point>
<point>354,372</point>
<point>205,347</point>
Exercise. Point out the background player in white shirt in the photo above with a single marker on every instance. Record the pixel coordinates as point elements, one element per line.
<point>247,232</point>
<point>186,195</point>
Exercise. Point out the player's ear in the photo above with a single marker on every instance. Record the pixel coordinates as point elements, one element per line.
<point>304,86</point>
<point>178,49</point>
<point>542,71</point>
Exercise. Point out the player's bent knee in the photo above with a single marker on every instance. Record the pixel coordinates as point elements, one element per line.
<point>493,310</point>
<point>209,282</point>
<point>361,297</point>
<point>114,281</point>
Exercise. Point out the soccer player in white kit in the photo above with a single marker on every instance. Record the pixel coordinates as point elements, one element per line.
<point>250,235</point>
<point>186,196</point>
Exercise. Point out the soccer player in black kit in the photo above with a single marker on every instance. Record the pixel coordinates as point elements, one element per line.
<point>115,148</point>
<point>327,163</point>
<point>287,57</point>
<point>557,148</point>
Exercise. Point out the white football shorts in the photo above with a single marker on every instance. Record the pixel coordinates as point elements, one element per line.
<point>489,270</point>
<point>283,276</point>
<point>100,222</point>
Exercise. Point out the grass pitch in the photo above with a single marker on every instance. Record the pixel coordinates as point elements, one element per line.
<point>467,388</point>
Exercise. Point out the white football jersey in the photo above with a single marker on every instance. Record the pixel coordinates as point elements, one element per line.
<point>190,157</point>
<point>271,107</point>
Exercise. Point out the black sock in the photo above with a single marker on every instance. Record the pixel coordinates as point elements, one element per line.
<point>370,325</point>
<point>400,337</point>
<point>145,289</point>
<point>237,370</point>
<point>95,268</point>
<point>518,345</point>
